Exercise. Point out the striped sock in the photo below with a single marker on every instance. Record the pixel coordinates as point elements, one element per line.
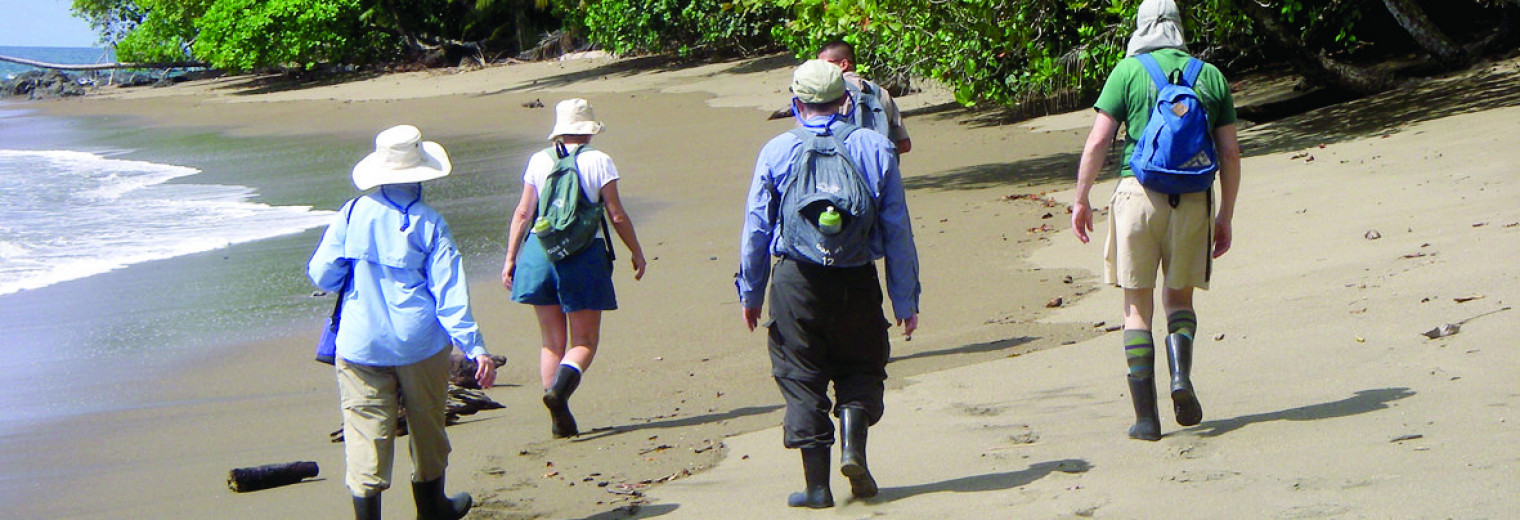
<point>1140,352</point>
<point>1182,322</point>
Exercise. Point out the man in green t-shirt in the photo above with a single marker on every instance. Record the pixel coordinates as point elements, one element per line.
<point>1148,229</point>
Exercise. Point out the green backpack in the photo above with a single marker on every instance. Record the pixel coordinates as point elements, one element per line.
<point>567,221</point>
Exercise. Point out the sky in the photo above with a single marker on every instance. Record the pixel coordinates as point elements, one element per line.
<point>43,23</point>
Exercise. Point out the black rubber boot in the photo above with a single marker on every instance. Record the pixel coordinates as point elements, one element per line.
<point>557,399</point>
<point>1179,358</point>
<point>433,504</point>
<point>367,508</point>
<point>852,459</point>
<point>815,470</point>
<point>1147,423</point>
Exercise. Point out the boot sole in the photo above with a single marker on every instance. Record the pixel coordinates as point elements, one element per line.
<point>862,484</point>
<point>1185,405</point>
<point>559,413</point>
<point>801,499</point>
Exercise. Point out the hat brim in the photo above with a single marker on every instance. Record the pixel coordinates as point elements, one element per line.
<point>372,171</point>
<point>577,128</point>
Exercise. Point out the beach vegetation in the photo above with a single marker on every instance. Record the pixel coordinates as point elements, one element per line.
<point>686,28</point>
<point>1036,55</point>
<point>242,35</point>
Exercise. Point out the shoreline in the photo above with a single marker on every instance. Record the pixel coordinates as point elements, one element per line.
<point>681,394</point>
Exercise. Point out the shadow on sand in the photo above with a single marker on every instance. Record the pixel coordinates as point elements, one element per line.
<point>1046,169</point>
<point>1364,401</point>
<point>988,482</point>
<point>635,511</point>
<point>608,431</point>
<point>636,66</point>
<point>987,346</point>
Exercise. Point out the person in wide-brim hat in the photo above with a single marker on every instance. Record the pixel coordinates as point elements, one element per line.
<point>401,157</point>
<point>403,302</point>
<point>569,292</point>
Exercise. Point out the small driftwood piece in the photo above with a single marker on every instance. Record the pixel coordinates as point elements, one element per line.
<point>243,480</point>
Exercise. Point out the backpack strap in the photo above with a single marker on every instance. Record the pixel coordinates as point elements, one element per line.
<point>839,133</point>
<point>1154,69</point>
<point>1191,72</point>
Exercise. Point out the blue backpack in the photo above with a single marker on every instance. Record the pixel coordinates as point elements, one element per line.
<point>827,210</point>
<point>1176,153</point>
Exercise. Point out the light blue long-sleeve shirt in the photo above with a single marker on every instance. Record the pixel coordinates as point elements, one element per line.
<point>408,299</point>
<point>891,237</point>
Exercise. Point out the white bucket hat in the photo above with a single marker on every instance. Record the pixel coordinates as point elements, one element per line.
<point>574,116</point>
<point>400,157</point>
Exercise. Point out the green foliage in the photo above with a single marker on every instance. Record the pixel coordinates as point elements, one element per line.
<point>164,33</point>
<point>1013,53</point>
<point>682,27</point>
<point>245,35</point>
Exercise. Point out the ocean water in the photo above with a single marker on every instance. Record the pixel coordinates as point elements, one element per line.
<point>66,215</point>
<point>129,254</point>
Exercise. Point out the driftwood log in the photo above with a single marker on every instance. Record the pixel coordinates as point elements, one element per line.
<point>465,398</point>
<point>104,66</point>
<point>243,480</point>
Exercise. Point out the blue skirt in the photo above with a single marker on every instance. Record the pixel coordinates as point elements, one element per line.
<point>582,281</point>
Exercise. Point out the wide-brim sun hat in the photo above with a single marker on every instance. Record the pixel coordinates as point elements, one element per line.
<point>574,117</point>
<point>401,157</point>
<point>818,81</point>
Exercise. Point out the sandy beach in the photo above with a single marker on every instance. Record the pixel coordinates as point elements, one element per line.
<point>1322,399</point>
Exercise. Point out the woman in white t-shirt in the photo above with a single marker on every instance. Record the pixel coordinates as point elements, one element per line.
<point>568,295</point>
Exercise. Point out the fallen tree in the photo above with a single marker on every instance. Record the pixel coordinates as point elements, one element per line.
<point>104,66</point>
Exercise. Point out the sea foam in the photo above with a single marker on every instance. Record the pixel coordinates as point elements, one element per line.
<point>66,215</point>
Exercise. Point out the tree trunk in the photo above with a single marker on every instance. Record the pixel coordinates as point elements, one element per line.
<point>1313,63</point>
<point>1425,33</point>
<point>105,66</point>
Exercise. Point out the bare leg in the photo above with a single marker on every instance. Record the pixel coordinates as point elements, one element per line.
<point>1139,304</point>
<point>551,328</point>
<point>1174,300</point>
<point>585,334</point>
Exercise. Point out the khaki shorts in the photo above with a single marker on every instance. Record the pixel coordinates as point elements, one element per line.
<point>1145,231</point>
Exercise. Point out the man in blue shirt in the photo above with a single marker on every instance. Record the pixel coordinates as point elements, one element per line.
<point>405,303</point>
<point>826,321</point>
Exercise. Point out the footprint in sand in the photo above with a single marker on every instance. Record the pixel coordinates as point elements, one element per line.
<point>977,410</point>
<point>1312,511</point>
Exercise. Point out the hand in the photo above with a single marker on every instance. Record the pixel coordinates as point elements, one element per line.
<point>508,270</point>
<point>485,371</point>
<point>909,325</point>
<point>751,317</point>
<point>638,266</point>
<point>1081,220</point>
<point>1222,237</point>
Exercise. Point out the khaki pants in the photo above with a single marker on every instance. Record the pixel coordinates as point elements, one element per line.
<point>1146,232</point>
<point>371,397</point>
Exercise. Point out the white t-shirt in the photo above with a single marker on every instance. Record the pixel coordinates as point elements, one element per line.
<point>595,167</point>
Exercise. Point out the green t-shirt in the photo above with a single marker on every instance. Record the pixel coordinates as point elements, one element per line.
<point>1130,95</point>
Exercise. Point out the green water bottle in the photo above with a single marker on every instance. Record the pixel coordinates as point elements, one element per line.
<point>830,221</point>
<point>541,225</point>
